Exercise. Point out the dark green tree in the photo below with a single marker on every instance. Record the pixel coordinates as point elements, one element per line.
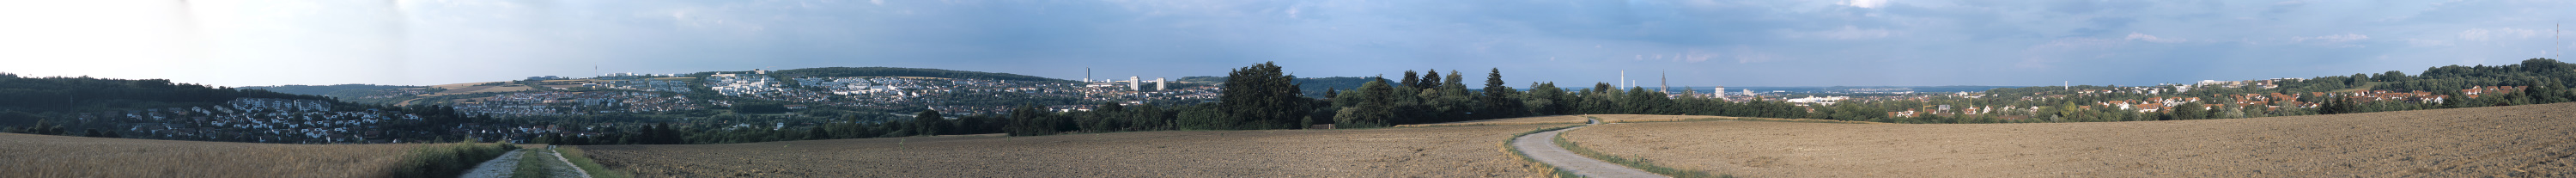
<point>1262,97</point>
<point>931,123</point>
<point>1498,101</point>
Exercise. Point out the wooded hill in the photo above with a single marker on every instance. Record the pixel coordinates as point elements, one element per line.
<point>323,90</point>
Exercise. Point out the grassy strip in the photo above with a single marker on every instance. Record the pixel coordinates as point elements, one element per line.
<point>1543,168</point>
<point>447,159</point>
<point>533,163</point>
<point>1640,162</point>
<point>574,155</point>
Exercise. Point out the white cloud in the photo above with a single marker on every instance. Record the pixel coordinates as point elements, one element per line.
<point>2482,34</point>
<point>2153,38</point>
<point>2346,37</point>
<point>2425,42</point>
<point>1864,3</point>
<point>1845,33</point>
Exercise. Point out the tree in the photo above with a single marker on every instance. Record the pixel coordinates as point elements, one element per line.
<point>930,122</point>
<point>1431,79</point>
<point>1498,102</point>
<point>1373,108</point>
<point>1411,81</point>
<point>1262,97</point>
<point>2191,111</point>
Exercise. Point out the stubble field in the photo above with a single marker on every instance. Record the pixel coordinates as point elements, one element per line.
<point>2512,141</point>
<point>1398,152</point>
<point>24,155</point>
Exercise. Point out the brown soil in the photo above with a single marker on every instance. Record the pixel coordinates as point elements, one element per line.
<point>2512,141</point>
<point>1394,152</point>
<point>23,155</point>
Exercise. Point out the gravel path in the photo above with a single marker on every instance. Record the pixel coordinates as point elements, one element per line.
<point>497,167</point>
<point>1542,147</point>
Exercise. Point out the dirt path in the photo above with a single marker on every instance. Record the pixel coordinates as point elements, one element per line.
<point>567,163</point>
<point>497,167</point>
<point>1542,147</point>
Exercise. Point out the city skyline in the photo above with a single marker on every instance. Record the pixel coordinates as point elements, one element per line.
<point>1698,43</point>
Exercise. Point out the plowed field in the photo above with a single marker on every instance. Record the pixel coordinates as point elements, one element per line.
<point>2511,141</point>
<point>1395,152</point>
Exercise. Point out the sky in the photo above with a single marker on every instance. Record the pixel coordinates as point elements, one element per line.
<point>1690,42</point>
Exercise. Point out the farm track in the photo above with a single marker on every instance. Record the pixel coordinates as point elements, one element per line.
<point>2510,141</point>
<point>1543,148</point>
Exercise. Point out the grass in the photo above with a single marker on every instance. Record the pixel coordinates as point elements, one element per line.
<point>447,160</point>
<point>574,155</point>
<point>533,163</point>
<point>1639,162</point>
<point>1542,168</point>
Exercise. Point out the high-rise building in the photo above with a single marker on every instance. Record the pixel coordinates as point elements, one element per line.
<point>1132,84</point>
<point>1160,84</point>
<point>1721,91</point>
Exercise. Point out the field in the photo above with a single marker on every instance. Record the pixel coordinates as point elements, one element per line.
<point>1632,118</point>
<point>1399,152</point>
<point>2511,141</point>
<point>23,155</point>
<point>477,87</point>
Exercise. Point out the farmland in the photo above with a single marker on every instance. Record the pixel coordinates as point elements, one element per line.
<point>2531,140</point>
<point>62,156</point>
<point>1398,152</point>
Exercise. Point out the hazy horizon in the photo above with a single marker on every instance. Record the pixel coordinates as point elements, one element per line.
<point>1699,43</point>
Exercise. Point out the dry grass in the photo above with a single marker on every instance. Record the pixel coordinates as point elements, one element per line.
<point>59,156</point>
<point>1393,152</point>
<point>1508,121</point>
<point>2512,141</point>
<point>1638,118</point>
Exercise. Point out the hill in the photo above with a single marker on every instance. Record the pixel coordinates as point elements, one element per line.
<point>325,90</point>
<point>2509,141</point>
<point>905,72</point>
<point>90,94</point>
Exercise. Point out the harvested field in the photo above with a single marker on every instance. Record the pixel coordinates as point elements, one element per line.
<point>2511,141</point>
<point>1394,152</point>
<point>1632,118</point>
<point>23,155</point>
<point>1509,121</point>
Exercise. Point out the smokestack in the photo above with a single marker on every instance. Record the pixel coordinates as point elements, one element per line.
<point>1623,79</point>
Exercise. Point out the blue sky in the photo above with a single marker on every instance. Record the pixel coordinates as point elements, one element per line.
<point>1698,43</point>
